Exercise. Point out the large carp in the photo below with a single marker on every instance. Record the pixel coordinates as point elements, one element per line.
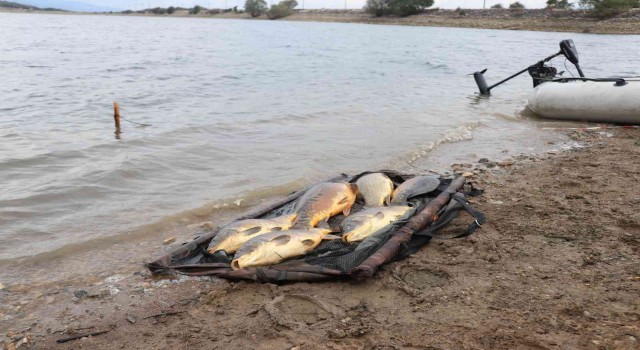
<point>231,237</point>
<point>375,189</point>
<point>369,221</point>
<point>323,201</point>
<point>414,187</point>
<point>272,248</point>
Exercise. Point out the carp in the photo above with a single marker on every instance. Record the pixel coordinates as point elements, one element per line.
<point>375,189</point>
<point>231,237</point>
<point>369,221</point>
<point>414,187</point>
<point>272,248</point>
<point>323,201</point>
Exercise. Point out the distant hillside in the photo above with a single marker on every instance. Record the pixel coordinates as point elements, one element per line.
<point>69,5</point>
<point>15,5</point>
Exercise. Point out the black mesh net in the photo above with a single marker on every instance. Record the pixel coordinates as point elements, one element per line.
<point>336,254</point>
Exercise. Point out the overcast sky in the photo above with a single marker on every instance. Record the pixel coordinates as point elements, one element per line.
<point>355,4</point>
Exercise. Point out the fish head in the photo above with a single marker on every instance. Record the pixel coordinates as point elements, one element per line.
<point>247,260</point>
<point>222,240</point>
<point>350,223</point>
<point>249,255</point>
<point>355,230</point>
<point>217,246</point>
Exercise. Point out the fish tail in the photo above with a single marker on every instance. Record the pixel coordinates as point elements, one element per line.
<point>331,237</point>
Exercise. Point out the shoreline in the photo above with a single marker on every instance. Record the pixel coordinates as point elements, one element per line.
<point>555,266</point>
<point>575,21</point>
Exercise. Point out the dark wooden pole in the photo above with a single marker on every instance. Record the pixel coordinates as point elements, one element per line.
<point>403,235</point>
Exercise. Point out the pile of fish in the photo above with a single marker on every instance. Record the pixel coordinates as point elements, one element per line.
<point>260,242</point>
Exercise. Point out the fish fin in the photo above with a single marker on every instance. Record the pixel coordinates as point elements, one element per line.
<point>281,240</point>
<point>344,200</point>
<point>295,221</point>
<point>276,229</point>
<point>324,224</point>
<point>398,201</point>
<point>387,200</point>
<point>252,230</point>
<point>216,251</point>
<point>293,217</point>
<point>301,222</point>
<point>308,242</point>
<point>346,211</point>
<point>379,215</point>
<point>331,237</point>
<point>354,188</point>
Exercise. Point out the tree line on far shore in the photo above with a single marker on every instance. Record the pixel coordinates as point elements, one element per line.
<point>258,7</point>
<point>598,8</point>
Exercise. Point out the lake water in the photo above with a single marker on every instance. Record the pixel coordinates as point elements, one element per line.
<point>238,111</point>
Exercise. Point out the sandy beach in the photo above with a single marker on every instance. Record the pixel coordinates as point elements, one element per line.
<point>554,267</point>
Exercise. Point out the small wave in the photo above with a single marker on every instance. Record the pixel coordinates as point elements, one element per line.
<point>519,115</point>
<point>461,133</point>
<point>285,119</point>
<point>436,66</point>
<point>122,69</point>
<point>11,109</point>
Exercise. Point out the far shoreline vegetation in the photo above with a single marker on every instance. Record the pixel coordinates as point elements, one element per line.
<point>19,6</point>
<point>586,16</point>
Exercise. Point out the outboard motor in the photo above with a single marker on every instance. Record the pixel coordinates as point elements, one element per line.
<point>539,71</point>
<point>568,49</point>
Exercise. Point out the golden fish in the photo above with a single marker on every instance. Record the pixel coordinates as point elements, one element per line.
<point>376,189</point>
<point>414,187</point>
<point>369,221</point>
<point>272,248</point>
<point>231,237</point>
<point>323,201</point>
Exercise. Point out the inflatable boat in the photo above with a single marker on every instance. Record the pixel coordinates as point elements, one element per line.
<point>609,100</point>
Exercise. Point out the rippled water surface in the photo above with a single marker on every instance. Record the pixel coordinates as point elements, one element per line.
<point>238,111</point>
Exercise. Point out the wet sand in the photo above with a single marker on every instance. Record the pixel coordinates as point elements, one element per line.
<point>554,267</point>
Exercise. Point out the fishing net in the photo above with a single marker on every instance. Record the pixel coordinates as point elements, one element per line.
<point>334,258</point>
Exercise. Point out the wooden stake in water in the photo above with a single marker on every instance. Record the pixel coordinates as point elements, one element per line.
<point>116,115</point>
